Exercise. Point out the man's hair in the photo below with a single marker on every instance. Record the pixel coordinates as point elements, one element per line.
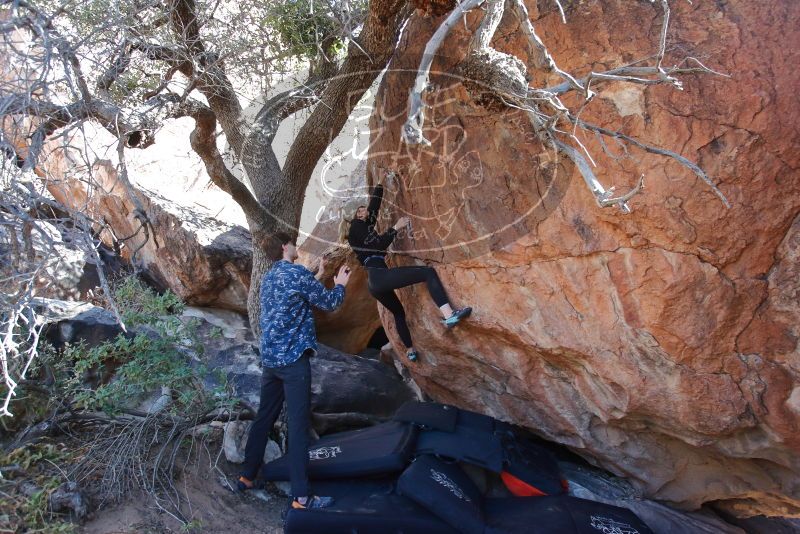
<point>273,244</point>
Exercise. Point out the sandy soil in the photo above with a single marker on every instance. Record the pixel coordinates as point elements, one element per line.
<point>207,504</point>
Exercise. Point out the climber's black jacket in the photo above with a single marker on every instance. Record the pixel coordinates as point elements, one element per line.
<point>363,237</point>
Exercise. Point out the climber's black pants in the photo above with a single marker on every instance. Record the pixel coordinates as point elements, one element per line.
<point>383,281</point>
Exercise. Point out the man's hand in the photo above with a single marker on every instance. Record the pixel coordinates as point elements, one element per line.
<point>323,262</point>
<point>401,223</point>
<point>343,276</point>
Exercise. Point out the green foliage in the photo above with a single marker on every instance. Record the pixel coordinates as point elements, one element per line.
<point>302,25</point>
<point>133,85</point>
<point>139,304</point>
<point>258,41</point>
<point>29,511</point>
<point>163,352</point>
<point>143,364</point>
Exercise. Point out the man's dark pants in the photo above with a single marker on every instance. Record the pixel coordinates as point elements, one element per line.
<point>292,382</point>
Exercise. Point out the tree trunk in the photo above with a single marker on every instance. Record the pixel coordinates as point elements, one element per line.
<point>261,264</point>
<point>282,192</point>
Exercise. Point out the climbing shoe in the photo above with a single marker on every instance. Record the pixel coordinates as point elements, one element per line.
<point>454,319</point>
<point>314,501</point>
<point>412,356</point>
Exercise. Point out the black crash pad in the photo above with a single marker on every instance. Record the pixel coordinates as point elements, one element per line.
<point>482,440</point>
<point>533,464</point>
<point>465,444</point>
<point>376,450</point>
<point>446,491</point>
<point>444,417</point>
<point>364,508</point>
<point>431,415</point>
<point>561,514</point>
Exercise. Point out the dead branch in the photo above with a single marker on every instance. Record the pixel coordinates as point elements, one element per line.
<point>138,450</point>
<point>661,152</point>
<point>412,129</point>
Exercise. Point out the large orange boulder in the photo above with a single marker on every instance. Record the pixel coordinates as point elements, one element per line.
<point>663,344</point>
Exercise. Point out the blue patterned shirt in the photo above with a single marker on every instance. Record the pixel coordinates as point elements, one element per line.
<point>287,325</point>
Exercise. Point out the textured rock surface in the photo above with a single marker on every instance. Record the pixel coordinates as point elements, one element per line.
<point>203,260</point>
<point>595,485</point>
<point>350,327</point>
<point>347,391</point>
<point>234,442</point>
<point>76,322</point>
<point>662,345</point>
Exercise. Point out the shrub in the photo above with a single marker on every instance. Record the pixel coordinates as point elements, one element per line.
<point>161,350</point>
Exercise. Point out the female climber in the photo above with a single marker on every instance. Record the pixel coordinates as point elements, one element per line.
<point>358,228</point>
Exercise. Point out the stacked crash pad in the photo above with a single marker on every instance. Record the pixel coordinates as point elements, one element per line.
<point>403,476</point>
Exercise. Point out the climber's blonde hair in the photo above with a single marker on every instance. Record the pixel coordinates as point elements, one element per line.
<point>346,215</point>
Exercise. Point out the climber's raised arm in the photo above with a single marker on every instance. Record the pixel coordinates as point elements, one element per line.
<point>375,200</point>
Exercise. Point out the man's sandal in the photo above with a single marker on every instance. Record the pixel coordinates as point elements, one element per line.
<point>315,501</point>
<point>245,484</point>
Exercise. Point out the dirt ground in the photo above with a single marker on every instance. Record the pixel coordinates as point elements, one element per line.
<point>207,504</point>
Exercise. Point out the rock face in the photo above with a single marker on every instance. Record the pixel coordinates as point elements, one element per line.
<point>662,345</point>
<point>76,322</point>
<point>204,261</point>
<point>595,485</point>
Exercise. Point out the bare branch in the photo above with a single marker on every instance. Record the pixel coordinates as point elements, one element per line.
<point>561,11</point>
<point>118,66</point>
<point>662,44</point>
<point>603,197</point>
<point>500,74</point>
<point>208,71</point>
<point>412,129</point>
<point>661,152</point>
<point>636,75</point>
<point>203,140</point>
<point>491,20</point>
<point>542,58</point>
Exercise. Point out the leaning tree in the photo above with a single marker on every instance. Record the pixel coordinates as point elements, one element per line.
<point>130,66</point>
